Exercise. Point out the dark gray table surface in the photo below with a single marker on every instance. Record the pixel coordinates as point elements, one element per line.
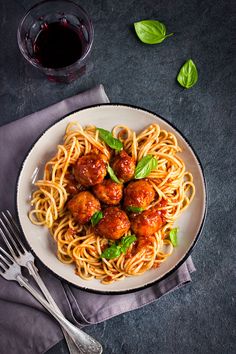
<point>199,318</point>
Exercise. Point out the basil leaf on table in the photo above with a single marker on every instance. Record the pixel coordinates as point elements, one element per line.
<point>151,31</point>
<point>188,75</point>
<point>97,216</point>
<point>173,236</point>
<point>115,250</point>
<point>134,209</point>
<point>112,174</point>
<point>108,138</point>
<point>145,166</point>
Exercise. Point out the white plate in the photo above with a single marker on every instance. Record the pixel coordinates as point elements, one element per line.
<point>107,116</point>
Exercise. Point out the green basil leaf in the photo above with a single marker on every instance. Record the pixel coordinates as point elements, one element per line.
<point>188,74</point>
<point>134,209</point>
<point>151,31</point>
<point>96,217</point>
<point>173,236</point>
<point>126,241</point>
<point>107,136</point>
<point>145,166</point>
<point>111,252</point>
<point>112,174</point>
<point>115,250</point>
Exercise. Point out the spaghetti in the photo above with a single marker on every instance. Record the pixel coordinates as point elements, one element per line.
<point>80,244</point>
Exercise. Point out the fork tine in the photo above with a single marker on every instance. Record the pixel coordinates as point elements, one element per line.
<point>14,228</point>
<point>6,240</point>
<point>6,254</point>
<point>17,228</point>
<point>2,264</point>
<point>11,220</point>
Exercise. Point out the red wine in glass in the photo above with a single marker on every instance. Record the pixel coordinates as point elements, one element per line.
<point>56,37</point>
<point>58,45</point>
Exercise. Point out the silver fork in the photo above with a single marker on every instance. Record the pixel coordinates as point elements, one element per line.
<point>10,270</point>
<point>10,232</point>
<point>25,259</point>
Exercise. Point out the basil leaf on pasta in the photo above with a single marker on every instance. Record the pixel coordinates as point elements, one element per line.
<point>173,236</point>
<point>115,250</point>
<point>151,31</point>
<point>188,75</point>
<point>111,252</point>
<point>108,138</point>
<point>134,209</point>
<point>145,166</point>
<point>126,241</point>
<point>112,174</point>
<point>96,217</point>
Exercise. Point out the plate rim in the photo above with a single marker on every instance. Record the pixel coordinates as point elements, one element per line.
<point>170,272</point>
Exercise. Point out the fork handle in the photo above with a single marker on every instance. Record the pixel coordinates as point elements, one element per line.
<point>85,343</point>
<point>33,270</point>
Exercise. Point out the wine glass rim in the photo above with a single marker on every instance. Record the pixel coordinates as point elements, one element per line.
<point>54,70</point>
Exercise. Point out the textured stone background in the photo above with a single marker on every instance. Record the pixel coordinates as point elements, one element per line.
<point>199,318</point>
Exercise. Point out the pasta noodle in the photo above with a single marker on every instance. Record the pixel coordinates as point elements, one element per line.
<point>79,244</point>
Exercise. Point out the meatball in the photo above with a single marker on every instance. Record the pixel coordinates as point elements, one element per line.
<point>82,206</point>
<point>124,166</point>
<point>108,192</point>
<point>114,224</point>
<point>146,223</point>
<point>90,169</point>
<point>139,194</point>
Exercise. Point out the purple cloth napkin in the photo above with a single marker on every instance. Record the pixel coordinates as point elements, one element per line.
<point>25,327</point>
